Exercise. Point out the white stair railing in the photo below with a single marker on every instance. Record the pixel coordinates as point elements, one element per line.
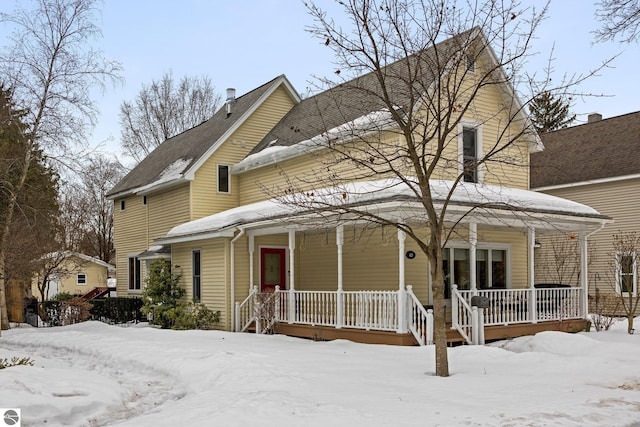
<point>246,311</point>
<point>419,320</point>
<point>461,315</point>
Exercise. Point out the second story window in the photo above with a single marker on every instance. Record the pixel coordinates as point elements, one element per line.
<point>121,205</point>
<point>470,152</point>
<point>82,279</point>
<point>223,179</point>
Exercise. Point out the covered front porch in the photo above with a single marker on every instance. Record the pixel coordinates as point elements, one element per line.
<point>317,273</point>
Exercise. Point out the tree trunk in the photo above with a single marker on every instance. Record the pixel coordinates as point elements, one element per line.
<point>439,320</point>
<point>4,316</point>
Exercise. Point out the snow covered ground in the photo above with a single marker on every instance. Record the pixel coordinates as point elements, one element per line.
<point>95,374</point>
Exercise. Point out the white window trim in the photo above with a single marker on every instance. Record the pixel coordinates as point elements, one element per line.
<point>460,244</point>
<point>193,251</point>
<point>635,275</point>
<point>78,279</point>
<point>228,178</point>
<point>479,152</point>
<point>129,290</point>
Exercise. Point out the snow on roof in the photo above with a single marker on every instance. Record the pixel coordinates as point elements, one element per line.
<point>371,122</point>
<point>170,173</point>
<point>371,192</point>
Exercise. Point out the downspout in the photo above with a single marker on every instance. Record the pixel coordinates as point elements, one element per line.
<point>233,278</point>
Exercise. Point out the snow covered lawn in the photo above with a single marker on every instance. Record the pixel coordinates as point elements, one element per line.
<point>95,374</point>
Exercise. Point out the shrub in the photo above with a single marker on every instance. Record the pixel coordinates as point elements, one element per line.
<point>194,316</point>
<point>15,361</point>
<point>116,309</point>
<point>162,294</point>
<point>61,313</point>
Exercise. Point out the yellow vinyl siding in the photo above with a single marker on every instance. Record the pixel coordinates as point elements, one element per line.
<point>508,168</point>
<point>130,235</point>
<point>166,210</point>
<point>214,274</point>
<point>614,199</point>
<point>206,199</point>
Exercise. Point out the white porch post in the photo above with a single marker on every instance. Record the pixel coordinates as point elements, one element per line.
<point>533,305</point>
<point>584,275</point>
<point>251,250</point>
<point>292,287</point>
<point>473,242</point>
<point>402,320</point>
<point>340,295</point>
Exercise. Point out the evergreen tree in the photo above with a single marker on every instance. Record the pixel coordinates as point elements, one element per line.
<point>549,112</point>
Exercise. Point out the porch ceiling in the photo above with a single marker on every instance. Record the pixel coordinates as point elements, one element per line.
<point>394,201</point>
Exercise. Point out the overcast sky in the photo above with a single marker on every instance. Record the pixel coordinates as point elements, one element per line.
<point>244,43</point>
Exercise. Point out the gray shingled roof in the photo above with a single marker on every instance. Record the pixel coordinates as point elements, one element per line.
<point>358,97</point>
<point>188,145</point>
<point>602,149</point>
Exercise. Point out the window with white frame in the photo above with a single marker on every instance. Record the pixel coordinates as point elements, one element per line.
<point>81,279</point>
<point>196,279</point>
<point>626,276</point>
<point>470,152</point>
<point>134,277</point>
<point>223,179</point>
<point>492,268</point>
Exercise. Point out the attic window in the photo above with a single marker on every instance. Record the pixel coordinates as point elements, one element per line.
<point>223,178</point>
<point>144,200</point>
<point>82,279</point>
<point>121,205</point>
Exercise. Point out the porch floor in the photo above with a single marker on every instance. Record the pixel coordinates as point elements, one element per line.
<point>492,333</point>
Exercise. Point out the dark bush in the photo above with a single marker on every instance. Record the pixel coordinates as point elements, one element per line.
<point>117,310</point>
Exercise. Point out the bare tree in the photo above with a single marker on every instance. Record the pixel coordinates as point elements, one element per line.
<point>413,91</point>
<point>54,266</point>
<point>623,273</point>
<point>164,109</point>
<point>558,258</point>
<point>620,19</point>
<point>87,215</point>
<point>51,68</point>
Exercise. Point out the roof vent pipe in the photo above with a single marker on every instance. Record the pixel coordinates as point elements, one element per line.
<point>594,117</point>
<point>231,99</point>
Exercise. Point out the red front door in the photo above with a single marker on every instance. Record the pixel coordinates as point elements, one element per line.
<point>272,271</point>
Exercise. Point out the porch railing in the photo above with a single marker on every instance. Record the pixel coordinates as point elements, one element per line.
<point>246,311</point>
<point>375,310</point>
<point>512,306</point>
<point>420,321</point>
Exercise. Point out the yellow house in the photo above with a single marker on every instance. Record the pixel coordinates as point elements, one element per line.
<point>73,273</point>
<point>262,211</point>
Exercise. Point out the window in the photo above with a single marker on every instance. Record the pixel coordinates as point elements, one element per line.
<point>195,264</point>
<point>491,267</point>
<point>134,274</point>
<point>223,178</point>
<point>144,200</point>
<point>491,271</point>
<point>121,205</point>
<point>470,155</point>
<point>626,281</point>
<point>81,279</point>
